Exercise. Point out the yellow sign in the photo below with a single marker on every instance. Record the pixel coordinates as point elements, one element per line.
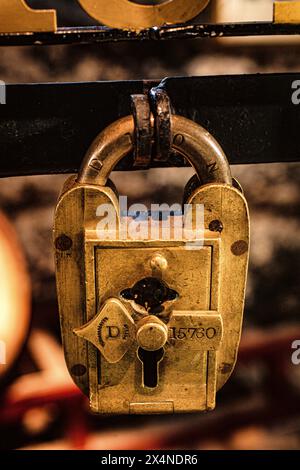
<point>17,17</point>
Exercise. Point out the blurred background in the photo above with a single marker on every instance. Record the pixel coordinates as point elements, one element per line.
<point>259,408</point>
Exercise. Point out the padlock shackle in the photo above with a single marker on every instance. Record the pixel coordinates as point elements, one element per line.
<point>189,139</point>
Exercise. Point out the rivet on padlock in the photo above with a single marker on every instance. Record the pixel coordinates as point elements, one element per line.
<point>153,325</point>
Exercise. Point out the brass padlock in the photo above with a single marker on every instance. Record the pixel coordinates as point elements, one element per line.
<point>151,325</point>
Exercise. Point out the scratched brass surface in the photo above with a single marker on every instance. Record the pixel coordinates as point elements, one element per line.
<point>111,341</point>
<point>17,17</point>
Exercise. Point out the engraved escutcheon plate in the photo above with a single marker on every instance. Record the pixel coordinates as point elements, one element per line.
<point>112,331</point>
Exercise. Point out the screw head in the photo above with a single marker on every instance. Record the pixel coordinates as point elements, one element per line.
<point>216,226</point>
<point>78,370</point>
<point>178,139</point>
<point>159,263</point>
<point>239,248</point>
<point>63,243</point>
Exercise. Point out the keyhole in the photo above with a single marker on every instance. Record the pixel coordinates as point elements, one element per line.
<point>150,361</point>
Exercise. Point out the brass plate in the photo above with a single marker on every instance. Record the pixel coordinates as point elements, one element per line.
<point>195,331</point>
<point>181,373</point>
<point>120,268</point>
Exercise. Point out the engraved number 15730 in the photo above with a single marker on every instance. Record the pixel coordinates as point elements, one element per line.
<point>192,333</point>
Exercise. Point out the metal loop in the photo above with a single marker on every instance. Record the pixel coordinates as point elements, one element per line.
<point>161,108</point>
<point>143,131</point>
<point>189,139</point>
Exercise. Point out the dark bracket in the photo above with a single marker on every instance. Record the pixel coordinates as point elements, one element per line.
<point>102,34</point>
<point>152,122</point>
<point>47,128</point>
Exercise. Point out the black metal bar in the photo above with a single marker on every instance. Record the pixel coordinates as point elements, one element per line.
<point>252,116</point>
<point>46,128</point>
<point>102,34</point>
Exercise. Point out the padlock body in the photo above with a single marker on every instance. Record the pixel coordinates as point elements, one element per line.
<point>104,332</point>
